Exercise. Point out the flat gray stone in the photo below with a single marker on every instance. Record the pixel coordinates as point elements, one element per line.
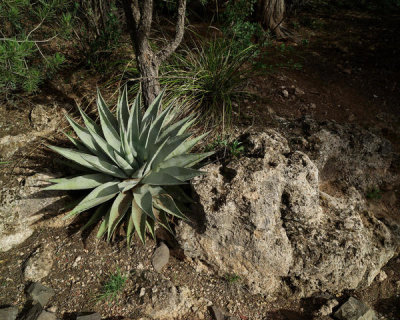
<point>218,314</point>
<point>160,257</point>
<point>9,313</point>
<point>355,309</point>
<point>33,313</point>
<point>40,293</point>
<point>45,315</point>
<point>39,264</point>
<point>92,316</point>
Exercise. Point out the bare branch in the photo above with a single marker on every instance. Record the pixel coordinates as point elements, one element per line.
<point>169,48</point>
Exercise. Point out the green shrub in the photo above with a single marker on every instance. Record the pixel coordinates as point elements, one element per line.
<point>25,60</point>
<point>97,31</point>
<point>238,26</point>
<point>136,164</point>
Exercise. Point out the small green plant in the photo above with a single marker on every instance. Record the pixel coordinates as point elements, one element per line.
<point>25,61</point>
<point>231,278</point>
<point>374,194</point>
<point>236,149</point>
<point>134,162</point>
<point>217,143</point>
<point>113,287</point>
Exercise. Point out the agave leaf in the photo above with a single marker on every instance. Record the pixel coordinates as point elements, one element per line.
<point>98,196</point>
<point>104,225</point>
<point>118,209</point>
<point>87,181</point>
<point>168,148</point>
<point>178,194</point>
<point>134,123</point>
<point>129,230</point>
<point>101,105</point>
<point>84,136</point>
<point>109,124</point>
<point>183,129</point>
<point>166,203</point>
<point>77,144</point>
<point>112,154</point>
<point>89,123</point>
<point>155,128</point>
<point>184,160</point>
<point>163,220</point>
<point>150,224</point>
<point>173,129</point>
<point>74,155</point>
<point>186,146</point>
<point>153,109</point>
<point>123,109</point>
<point>98,214</point>
<point>128,168</point>
<point>144,200</point>
<point>182,174</point>
<point>139,221</point>
<point>154,157</point>
<point>104,166</point>
<point>126,185</point>
<point>160,179</point>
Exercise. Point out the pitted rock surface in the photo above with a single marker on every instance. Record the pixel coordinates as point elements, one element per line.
<point>266,218</point>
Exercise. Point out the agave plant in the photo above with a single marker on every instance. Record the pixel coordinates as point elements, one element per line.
<point>137,162</point>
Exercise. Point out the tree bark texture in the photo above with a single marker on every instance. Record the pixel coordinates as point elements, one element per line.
<point>139,16</point>
<point>271,13</point>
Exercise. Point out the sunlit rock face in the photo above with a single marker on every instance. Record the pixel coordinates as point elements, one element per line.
<point>274,220</point>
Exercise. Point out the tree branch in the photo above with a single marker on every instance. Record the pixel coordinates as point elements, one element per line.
<point>169,48</point>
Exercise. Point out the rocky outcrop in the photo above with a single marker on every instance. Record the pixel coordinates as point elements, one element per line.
<point>282,221</point>
<point>22,206</point>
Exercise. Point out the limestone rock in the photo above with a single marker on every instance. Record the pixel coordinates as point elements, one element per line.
<point>21,207</point>
<point>39,264</point>
<point>327,308</point>
<point>47,316</point>
<point>9,313</point>
<point>91,316</point>
<point>355,309</point>
<point>33,313</point>
<point>46,117</point>
<point>40,293</point>
<point>160,257</point>
<point>170,302</point>
<point>265,218</point>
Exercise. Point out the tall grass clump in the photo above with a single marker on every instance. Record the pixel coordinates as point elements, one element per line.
<point>207,78</point>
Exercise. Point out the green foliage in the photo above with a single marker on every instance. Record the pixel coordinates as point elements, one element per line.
<point>135,163</point>
<point>234,148</point>
<point>208,78</point>
<point>237,25</point>
<point>97,30</point>
<point>113,287</point>
<point>374,194</point>
<point>231,278</point>
<point>24,60</point>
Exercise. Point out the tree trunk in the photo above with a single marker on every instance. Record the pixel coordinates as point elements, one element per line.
<point>271,14</point>
<point>139,16</point>
<point>148,68</point>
